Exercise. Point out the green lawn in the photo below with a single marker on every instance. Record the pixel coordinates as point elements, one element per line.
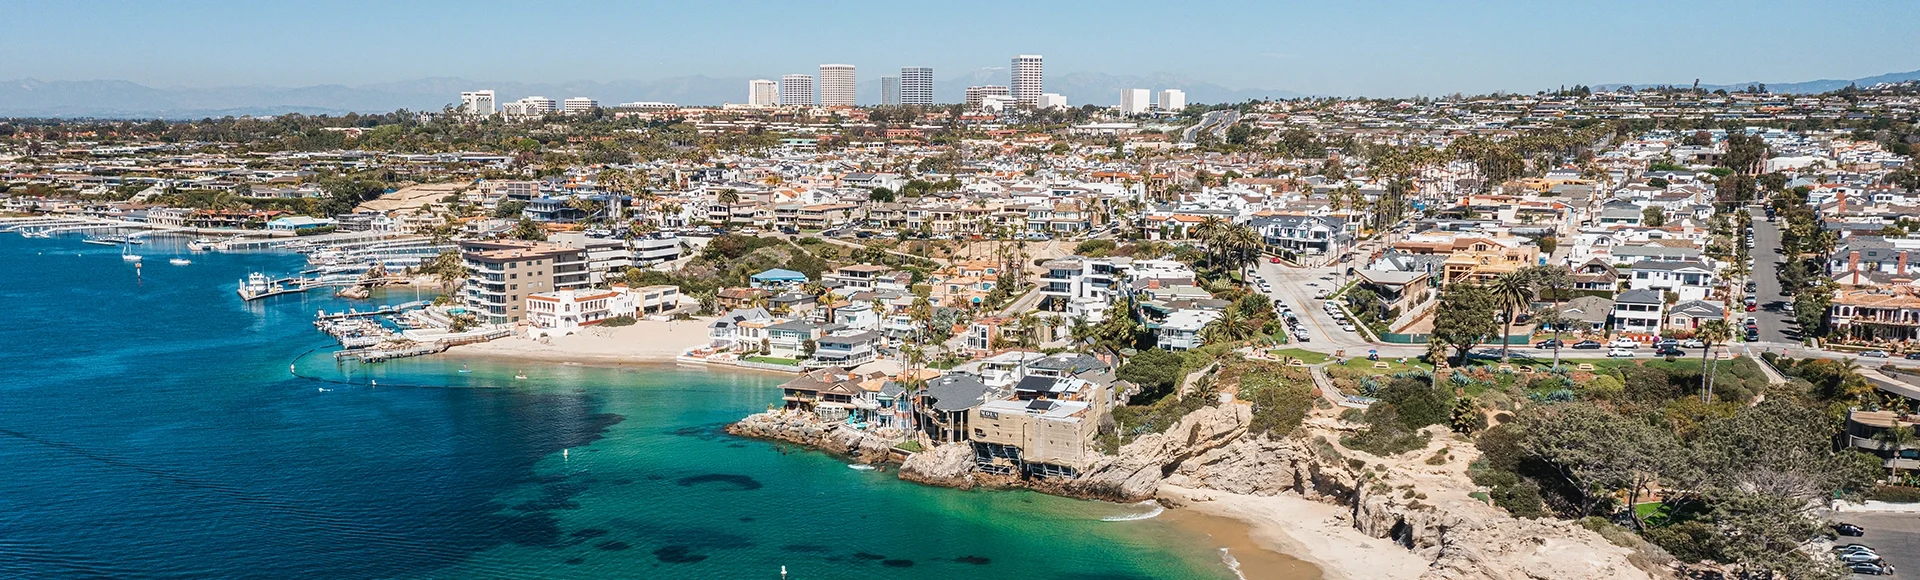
<point>771,360</point>
<point>1310,357</point>
<point>1360,363</point>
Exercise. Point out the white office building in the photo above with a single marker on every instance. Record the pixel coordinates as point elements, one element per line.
<point>977,95</point>
<point>916,85</point>
<point>889,90</point>
<point>1027,80</point>
<point>796,90</point>
<point>1135,101</point>
<point>477,102</point>
<point>1053,101</point>
<point>837,85</point>
<point>578,105</point>
<point>763,93</point>
<point>1172,100</point>
<point>534,106</point>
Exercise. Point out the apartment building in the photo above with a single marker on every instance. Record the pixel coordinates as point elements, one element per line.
<point>796,90</point>
<point>837,85</point>
<point>1172,100</point>
<point>577,105</point>
<point>1135,101</point>
<point>978,95</point>
<point>916,85</point>
<point>503,272</point>
<point>763,93</point>
<point>1028,82</point>
<point>889,90</point>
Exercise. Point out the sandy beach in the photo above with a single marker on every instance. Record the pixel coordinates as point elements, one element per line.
<point>643,342</point>
<point>1317,533</point>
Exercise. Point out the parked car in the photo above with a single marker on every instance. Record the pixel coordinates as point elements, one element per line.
<point>1587,345</point>
<point>1870,568</point>
<point>1619,352</point>
<point>1551,343</point>
<point>1669,351</point>
<point>1852,549</point>
<point>1753,335</point>
<point>1693,343</point>
<point>1347,326</point>
<point>1874,354</point>
<point>1626,343</point>
<point>1665,342</point>
<point>1273,260</point>
<point>1913,356</point>
<point>1846,529</point>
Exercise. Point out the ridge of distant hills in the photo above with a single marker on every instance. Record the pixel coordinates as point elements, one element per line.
<point>125,99</point>
<point>1799,88</point>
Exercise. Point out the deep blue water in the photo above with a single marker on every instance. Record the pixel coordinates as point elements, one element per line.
<point>150,427</point>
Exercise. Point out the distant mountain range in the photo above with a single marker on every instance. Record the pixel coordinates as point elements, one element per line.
<point>124,99</point>
<point>1799,88</point>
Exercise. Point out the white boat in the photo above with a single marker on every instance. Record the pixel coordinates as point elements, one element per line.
<point>126,253</point>
<point>179,261</point>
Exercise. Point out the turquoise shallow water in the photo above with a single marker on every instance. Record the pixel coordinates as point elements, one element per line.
<point>150,427</point>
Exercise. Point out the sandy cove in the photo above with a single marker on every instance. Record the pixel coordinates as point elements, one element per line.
<point>643,342</point>
<point>1318,533</point>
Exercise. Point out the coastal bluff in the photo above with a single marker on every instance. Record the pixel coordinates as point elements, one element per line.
<point>1209,456</point>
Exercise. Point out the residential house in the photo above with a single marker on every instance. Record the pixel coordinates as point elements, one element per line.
<point>1688,315</point>
<point>1639,311</point>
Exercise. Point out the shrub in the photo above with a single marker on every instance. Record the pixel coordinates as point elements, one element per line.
<point>1895,494</point>
<point>1386,434</point>
<point>621,320</point>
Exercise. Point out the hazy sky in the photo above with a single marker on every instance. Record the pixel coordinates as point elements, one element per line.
<point>1378,47</point>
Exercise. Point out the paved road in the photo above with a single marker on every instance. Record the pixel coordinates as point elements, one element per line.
<point>1776,326</point>
<point>1217,121</point>
<point>1894,536</point>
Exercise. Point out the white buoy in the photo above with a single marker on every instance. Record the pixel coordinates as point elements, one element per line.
<point>783,573</point>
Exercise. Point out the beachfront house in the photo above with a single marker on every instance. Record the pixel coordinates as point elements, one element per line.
<point>942,409</point>
<point>846,349</point>
<point>563,312</point>
<point>794,339</point>
<point>738,329</point>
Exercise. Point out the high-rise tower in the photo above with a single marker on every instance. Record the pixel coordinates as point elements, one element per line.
<point>837,85</point>
<point>796,90</point>
<point>1027,80</point>
<point>916,85</point>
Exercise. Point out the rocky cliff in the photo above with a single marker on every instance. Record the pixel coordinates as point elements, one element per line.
<point>1420,504</point>
<point>808,429</point>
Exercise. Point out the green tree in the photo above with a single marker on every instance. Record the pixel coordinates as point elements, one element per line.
<point>527,230</point>
<point>1653,217</point>
<point>1713,333</point>
<point>1461,320</point>
<point>1156,371</point>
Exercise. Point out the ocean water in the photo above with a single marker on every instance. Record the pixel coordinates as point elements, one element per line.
<point>153,426</point>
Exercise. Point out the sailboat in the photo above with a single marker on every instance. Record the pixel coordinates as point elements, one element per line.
<point>126,253</point>
<point>179,261</point>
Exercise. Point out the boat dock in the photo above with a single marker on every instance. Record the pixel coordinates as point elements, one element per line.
<point>258,286</point>
<point>381,311</point>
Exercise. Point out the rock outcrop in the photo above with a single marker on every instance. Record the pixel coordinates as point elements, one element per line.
<point>944,466</point>
<point>1135,473</point>
<point>807,429</point>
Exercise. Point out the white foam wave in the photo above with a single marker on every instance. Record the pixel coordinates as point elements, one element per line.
<point>1155,512</point>
<point>860,467</point>
<point>1232,563</point>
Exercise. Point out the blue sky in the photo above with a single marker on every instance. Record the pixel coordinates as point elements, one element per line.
<point>1374,47</point>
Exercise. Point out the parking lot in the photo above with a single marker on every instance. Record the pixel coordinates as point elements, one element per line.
<point>1895,536</point>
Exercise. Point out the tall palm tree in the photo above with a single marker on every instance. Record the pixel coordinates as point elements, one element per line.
<point>1512,291</point>
<point>1895,439</point>
<point>1713,333</point>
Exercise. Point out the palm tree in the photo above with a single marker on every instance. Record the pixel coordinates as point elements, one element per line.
<point>1552,316</point>
<point>1229,327</point>
<point>1713,333</point>
<point>1895,439</point>
<point>1512,291</point>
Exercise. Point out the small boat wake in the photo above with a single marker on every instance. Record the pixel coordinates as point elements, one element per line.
<point>860,467</point>
<point>1232,563</point>
<point>1150,514</point>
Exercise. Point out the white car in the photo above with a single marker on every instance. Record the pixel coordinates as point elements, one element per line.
<point>1693,343</point>
<point>1620,352</point>
<point>1347,326</point>
<point>1623,343</point>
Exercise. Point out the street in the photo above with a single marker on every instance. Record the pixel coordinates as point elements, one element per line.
<point>1295,287</point>
<point>1776,326</point>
